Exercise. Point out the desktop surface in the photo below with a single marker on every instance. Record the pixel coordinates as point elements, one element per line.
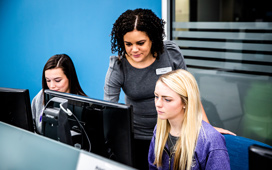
<point>21,149</point>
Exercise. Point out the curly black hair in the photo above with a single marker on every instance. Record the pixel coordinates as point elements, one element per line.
<point>142,20</point>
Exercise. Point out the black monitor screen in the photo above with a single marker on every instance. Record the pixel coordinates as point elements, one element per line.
<point>15,108</point>
<point>260,157</point>
<point>100,127</point>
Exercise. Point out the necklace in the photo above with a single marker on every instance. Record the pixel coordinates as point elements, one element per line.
<point>170,137</point>
<point>172,143</point>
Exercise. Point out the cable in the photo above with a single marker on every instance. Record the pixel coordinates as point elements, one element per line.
<point>83,131</point>
<point>71,114</point>
<point>66,111</point>
<point>82,137</point>
<point>44,109</point>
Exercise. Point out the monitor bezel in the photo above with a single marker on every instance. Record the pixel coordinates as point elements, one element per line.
<point>27,103</point>
<point>86,99</point>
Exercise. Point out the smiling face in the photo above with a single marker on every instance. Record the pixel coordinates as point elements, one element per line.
<point>138,49</point>
<point>168,103</point>
<point>56,80</point>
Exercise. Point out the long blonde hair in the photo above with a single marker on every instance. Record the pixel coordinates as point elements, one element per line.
<point>183,83</point>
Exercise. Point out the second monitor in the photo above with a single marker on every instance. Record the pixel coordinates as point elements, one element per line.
<point>15,108</point>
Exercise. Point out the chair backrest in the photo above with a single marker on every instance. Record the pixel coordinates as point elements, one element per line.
<point>238,149</point>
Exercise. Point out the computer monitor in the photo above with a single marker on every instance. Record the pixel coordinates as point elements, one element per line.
<point>100,127</point>
<point>15,108</point>
<point>260,157</point>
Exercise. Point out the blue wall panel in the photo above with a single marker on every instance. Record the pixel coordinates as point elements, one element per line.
<point>32,31</point>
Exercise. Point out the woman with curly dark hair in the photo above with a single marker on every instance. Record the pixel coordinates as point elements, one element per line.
<point>137,35</point>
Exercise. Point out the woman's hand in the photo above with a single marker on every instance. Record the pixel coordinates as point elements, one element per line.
<point>224,131</point>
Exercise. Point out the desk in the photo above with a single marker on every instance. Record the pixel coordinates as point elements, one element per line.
<point>20,149</point>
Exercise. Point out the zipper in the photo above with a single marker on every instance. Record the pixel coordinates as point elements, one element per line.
<point>169,155</point>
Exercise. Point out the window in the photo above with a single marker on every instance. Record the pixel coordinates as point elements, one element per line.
<point>227,45</point>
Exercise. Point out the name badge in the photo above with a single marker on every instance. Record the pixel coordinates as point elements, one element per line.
<point>164,70</point>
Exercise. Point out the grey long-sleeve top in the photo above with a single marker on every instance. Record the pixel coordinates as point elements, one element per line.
<point>139,84</point>
<point>37,111</point>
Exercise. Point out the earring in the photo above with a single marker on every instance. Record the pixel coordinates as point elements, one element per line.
<point>183,107</point>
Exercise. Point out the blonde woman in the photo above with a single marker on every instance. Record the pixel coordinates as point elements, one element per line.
<point>181,139</point>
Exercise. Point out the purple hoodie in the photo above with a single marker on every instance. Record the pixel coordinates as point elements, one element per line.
<point>210,152</point>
